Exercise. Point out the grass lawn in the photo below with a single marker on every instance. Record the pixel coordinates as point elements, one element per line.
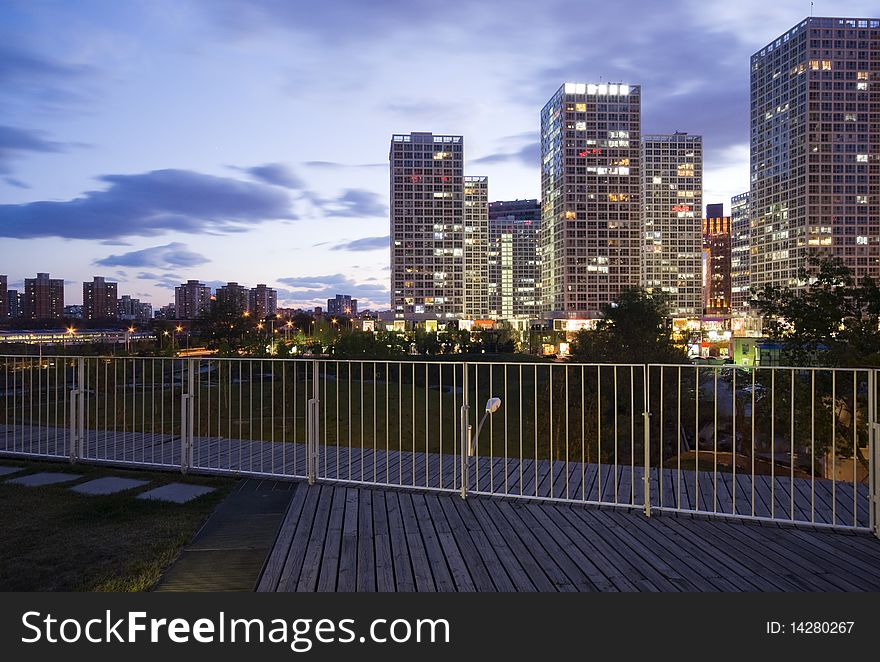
<point>53,539</point>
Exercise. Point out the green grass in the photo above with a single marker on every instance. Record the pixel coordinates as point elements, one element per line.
<point>54,539</point>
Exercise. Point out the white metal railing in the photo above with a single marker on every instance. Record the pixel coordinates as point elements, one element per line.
<point>780,444</point>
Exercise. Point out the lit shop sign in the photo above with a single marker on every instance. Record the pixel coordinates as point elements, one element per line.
<point>612,89</point>
<point>681,207</point>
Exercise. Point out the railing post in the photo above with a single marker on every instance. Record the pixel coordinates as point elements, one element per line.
<point>465,430</point>
<point>72,434</point>
<point>647,443</point>
<point>313,425</point>
<point>186,426</point>
<point>81,407</point>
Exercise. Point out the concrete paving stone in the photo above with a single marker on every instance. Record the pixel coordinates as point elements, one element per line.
<point>108,485</point>
<point>45,478</point>
<point>5,471</point>
<point>176,492</point>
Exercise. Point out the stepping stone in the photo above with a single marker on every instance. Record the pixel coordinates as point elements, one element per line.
<point>47,478</point>
<point>108,485</point>
<point>176,492</point>
<point>5,471</point>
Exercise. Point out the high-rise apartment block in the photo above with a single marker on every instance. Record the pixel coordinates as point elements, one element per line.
<point>133,310</point>
<point>99,299</point>
<point>431,260</point>
<point>476,244</point>
<point>815,149</point>
<point>13,301</point>
<point>591,220</point>
<point>716,261</point>
<point>4,297</point>
<point>43,298</point>
<point>672,180</point>
<point>739,254</point>
<point>514,260</point>
<point>191,300</point>
<point>232,299</point>
<point>342,304</point>
<point>262,301</point>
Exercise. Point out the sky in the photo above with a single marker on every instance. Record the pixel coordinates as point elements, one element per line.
<point>155,141</point>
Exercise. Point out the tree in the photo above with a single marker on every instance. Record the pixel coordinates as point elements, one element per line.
<point>831,321</point>
<point>632,330</point>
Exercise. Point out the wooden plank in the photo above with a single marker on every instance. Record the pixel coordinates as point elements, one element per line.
<point>329,571</point>
<point>421,567</point>
<point>293,564</point>
<point>458,567</point>
<point>366,557</point>
<point>403,573</point>
<point>347,581</point>
<point>308,579</point>
<point>384,558</point>
<point>439,567</point>
<point>514,564</point>
<point>479,554</point>
<point>272,571</point>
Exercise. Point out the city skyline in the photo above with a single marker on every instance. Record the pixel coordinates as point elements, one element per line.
<point>131,105</point>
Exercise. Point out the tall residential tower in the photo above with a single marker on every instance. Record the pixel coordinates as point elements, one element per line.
<point>672,181</point>
<point>591,218</point>
<point>815,149</point>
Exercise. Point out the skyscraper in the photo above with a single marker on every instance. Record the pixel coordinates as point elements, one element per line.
<point>4,297</point>
<point>476,245</point>
<point>514,261</point>
<point>262,301</point>
<point>591,219</point>
<point>13,299</point>
<point>43,298</point>
<point>716,261</point>
<point>99,299</point>
<point>427,227</point>
<point>672,180</point>
<point>739,254</point>
<point>191,300</point>
<point>815,149</point>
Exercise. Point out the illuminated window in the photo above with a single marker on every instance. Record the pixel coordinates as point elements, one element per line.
<point>826,65</point>
<point>862,199</point>
<point>861,86</point>
<point>850,117</point>
<point>658,180</point>
<point>580,126</point>
<point>862,75</point>
<point>570,215</point>
<point>862,240</point>
<point>814,65</point>
<point>862,158</point>
<point>580,107</point>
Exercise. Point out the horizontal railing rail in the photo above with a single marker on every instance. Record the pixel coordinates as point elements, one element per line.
<point>792,444</point>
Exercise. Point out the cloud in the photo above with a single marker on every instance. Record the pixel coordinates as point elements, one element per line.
<point>276,174</point>
<point>150,204</point>
<point>168,256</point>
<point>15,142</point>
<point>528,155</point>
<point>365,244</point>
<point>334,164</point>
<point>34,82</point>
<point>352,203</point>
<point>17,183</point>
<point>308,291</point>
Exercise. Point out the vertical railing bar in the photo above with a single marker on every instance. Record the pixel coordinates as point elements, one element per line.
<point>660,474</point>
<point>791,452</point>
<point>583,433</point>
<point>772,442</point>
<point>599,432</point>
<point>566,370</point>
<point>413,422</point>
<point>833,447</point>
<point>632,436</point>
<point>733,444</point>
<point>616,439</point>
<point>427,427</point>
<point>715,443</point>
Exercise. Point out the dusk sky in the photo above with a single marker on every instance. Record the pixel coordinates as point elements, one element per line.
<point>154,141</point>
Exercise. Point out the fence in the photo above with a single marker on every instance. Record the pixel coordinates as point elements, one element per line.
<point>781,444</point>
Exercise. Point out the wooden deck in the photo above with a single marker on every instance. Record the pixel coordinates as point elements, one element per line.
<point>780,497</point>
<point>338,538</point>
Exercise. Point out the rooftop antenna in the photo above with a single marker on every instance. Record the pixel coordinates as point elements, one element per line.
<point>811,10</point>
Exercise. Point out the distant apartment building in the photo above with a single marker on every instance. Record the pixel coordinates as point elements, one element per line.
<point>739,254</point>
<point>133,310</point>
<point>513,259</point>
<point>815,149</point>
<point>672,181</point>
<point>342,304</point>
<point>438,230</point>
<point>99,299</point>
<point>74,311</point>
<point>166,312</point>
<point>13,301</point>
<point>232,299</point>
<point>591,218</point>
<point>4,297</point>
<point>191,300</point>
<point>262,301</point>
<point>716,261</point>
<point>43,298</point>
